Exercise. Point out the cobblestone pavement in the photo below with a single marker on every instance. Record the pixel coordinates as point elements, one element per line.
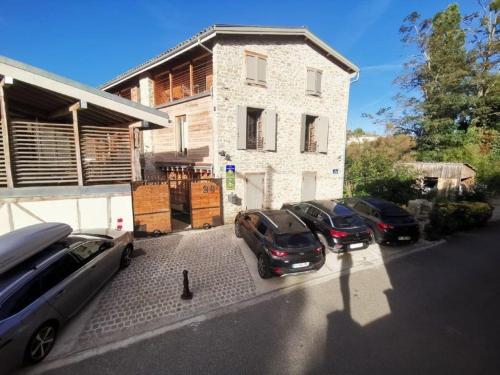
<point>147,294</point>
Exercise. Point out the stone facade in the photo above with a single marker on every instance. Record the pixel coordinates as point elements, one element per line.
<point>212,120</point>
<point>285,93</point>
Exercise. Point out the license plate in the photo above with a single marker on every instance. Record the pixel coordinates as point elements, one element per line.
<point>300,265</point>
<point>404,238</point>
<point>356,245</point>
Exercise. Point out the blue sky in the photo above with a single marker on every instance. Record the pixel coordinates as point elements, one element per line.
<point>93,41</point>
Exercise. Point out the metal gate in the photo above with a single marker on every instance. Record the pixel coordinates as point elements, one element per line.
<point>151,206</point>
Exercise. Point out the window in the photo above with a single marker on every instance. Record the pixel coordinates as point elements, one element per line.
<point>295,239</point>
<point>87,251</point>
<point>256,129</point>
<point>363,208</point>
<point>313,81</point>
<point>314,134</point>
<point>21,299</point>
<point>310,141</point>
<point>181,134</point>
<point>255,137</point>
<point>58,271</point>
<point>256,67</point>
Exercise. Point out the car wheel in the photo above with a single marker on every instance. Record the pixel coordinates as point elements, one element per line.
<point>263,266</point>
<point>41,343</point>
<point>126,259</point>
<point>237,230</point>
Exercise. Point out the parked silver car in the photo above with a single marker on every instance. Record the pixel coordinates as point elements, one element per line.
<point>47,274</point>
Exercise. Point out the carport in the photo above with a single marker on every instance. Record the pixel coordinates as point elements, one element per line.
<point>68,152</point>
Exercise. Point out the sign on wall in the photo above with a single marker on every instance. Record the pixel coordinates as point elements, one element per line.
<point>230,177</point>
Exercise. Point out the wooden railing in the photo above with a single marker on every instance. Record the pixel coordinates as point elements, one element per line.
<point>184,80</point>
<point>3,171</point>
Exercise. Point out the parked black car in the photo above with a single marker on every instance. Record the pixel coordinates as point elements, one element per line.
<point>389,222</point>
<point>281,241</point>
<point>338,227</point>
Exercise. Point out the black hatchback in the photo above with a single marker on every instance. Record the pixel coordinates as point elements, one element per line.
<point>389,222</point>
<point>338,227</point>
<point>281,241</point>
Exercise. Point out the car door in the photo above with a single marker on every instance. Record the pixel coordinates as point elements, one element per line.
<point>66,285</point>
<point>100,258</point>
<point>263,236</point>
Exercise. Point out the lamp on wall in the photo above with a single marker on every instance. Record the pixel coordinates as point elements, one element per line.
<point>226,156</point>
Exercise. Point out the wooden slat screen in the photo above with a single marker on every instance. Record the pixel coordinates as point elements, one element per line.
<point>202,75</point>
<point>106,156</point>
<point>43,153</point>
<point>162,88</point>
<point>3,173</point>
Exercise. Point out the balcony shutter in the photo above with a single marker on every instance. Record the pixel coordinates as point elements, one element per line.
<point>251,62</point>
<point>303,134</point>
<point>318,82</point>
<point>269,130</point>
<point>322,134</point>
<point>241,127</point>
<point>310,81</point>
<point>261,70</point>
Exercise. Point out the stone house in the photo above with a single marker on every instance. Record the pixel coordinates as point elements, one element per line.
<point>265,107</point>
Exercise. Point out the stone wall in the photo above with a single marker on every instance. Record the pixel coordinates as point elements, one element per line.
<point>285,93</point>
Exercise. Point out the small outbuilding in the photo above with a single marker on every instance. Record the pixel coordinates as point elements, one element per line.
<point>445,178</point>
<point>68,152</point>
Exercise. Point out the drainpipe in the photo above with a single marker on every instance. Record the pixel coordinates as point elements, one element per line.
<point>355,78</point>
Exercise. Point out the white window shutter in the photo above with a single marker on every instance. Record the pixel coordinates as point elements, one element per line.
<point>318,82</point>
<point>322,134</point>
<point>241,127</point>
<point>261,70</point>
<point>269,130</point>
<point>251,62</point>
<point>310,81</point>
<point>303,134</point>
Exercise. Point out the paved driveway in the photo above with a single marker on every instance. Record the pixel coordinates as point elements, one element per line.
<point>222,270</point>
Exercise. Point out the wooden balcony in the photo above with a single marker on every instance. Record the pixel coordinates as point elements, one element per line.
<point>183,80</point>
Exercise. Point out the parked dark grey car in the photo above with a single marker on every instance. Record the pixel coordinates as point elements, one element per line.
<point>47,275</point>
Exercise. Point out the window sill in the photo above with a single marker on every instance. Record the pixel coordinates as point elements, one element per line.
<point>313,94</point>
<point>263,85</point>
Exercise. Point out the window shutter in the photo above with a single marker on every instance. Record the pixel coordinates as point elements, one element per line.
<point>303,134</point>
<point>251,62</point>
<point>322,134</point>
<point>261,70</point>
<point>241,127</point>
<point>318,82</point>
<point>269,130</point>
<point>310,81</point>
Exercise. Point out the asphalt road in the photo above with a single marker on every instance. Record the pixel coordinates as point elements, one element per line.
<point>433,312</point>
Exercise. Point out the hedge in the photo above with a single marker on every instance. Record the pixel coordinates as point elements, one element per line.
<point>449,217</point>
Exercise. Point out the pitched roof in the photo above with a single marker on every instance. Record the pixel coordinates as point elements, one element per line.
<point>221,29</point>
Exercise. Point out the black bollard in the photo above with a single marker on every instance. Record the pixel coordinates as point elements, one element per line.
<point>186,294</point>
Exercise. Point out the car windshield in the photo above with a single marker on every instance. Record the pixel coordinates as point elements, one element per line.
<point>347,221</point>
<point>295,239</point>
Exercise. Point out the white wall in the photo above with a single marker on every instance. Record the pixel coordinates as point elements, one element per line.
<point>80,212</point>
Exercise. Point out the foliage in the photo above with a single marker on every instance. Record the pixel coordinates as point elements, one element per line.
<point>449,217</point>
<point>395,148</point>
<point>449,93</point>
<point>370,171</point>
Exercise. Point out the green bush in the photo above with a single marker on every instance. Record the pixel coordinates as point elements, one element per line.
<point>449,217</point>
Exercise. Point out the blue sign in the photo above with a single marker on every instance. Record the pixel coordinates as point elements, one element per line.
<point>230,168</point>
